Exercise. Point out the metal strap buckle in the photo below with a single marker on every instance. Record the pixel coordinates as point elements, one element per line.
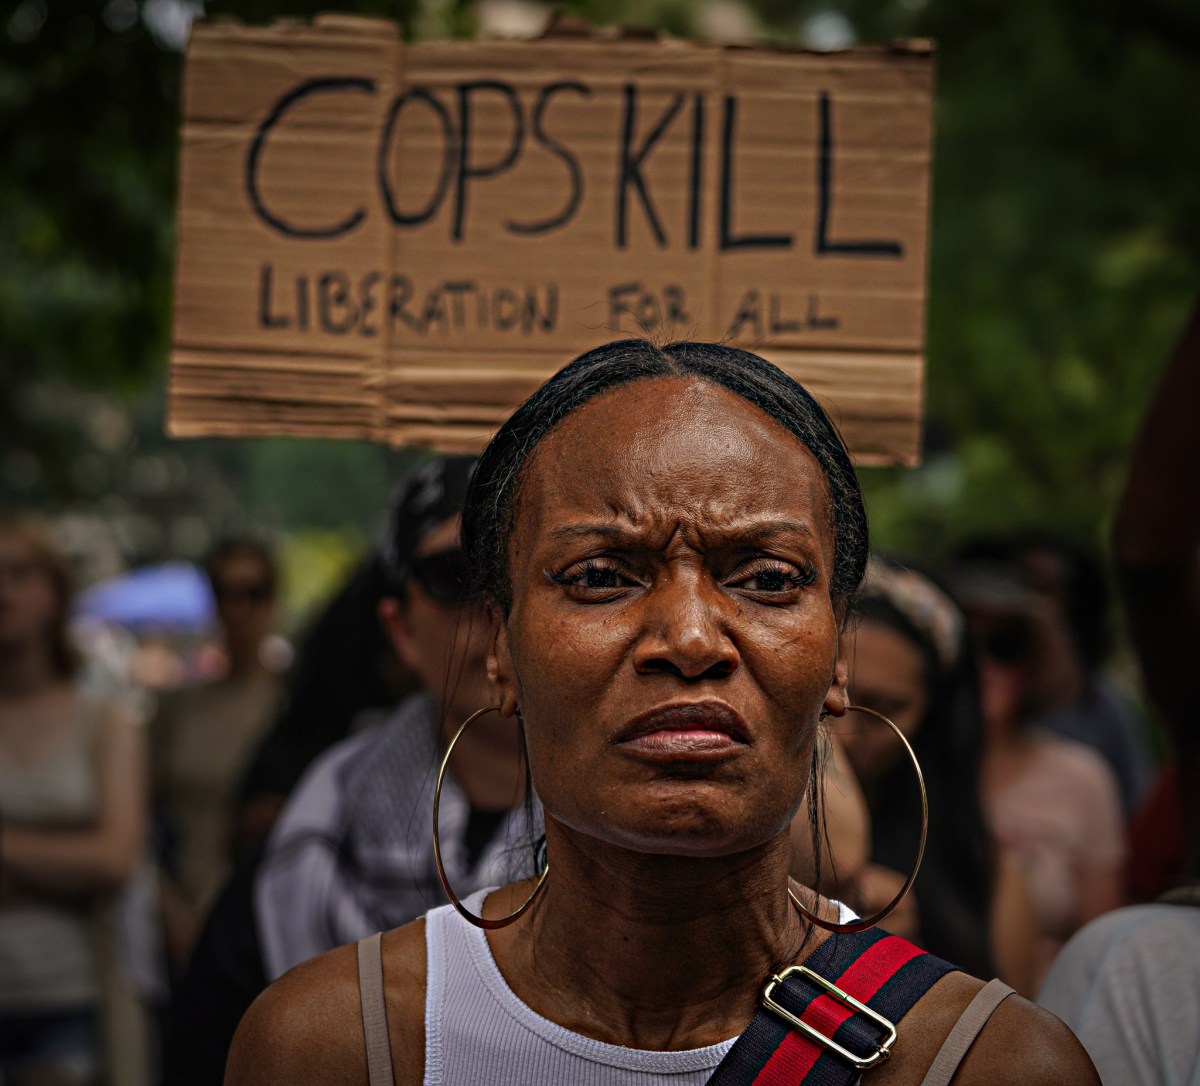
<point>882,1049</point>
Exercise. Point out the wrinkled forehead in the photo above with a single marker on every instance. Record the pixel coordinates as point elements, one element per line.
<point>671,450</point>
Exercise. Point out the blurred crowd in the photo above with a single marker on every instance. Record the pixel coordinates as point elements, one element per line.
<point>164,857</point>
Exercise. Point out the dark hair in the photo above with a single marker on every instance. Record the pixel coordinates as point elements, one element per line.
<point>954,886</point>
<point>243,547</point>
<point>53,563</point>
<point>344,665</point>
<point>1081,590</point>
<point>491,501</point>
<point>427,497</point>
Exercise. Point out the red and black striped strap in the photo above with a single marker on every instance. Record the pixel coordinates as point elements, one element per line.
<point>883,971</point>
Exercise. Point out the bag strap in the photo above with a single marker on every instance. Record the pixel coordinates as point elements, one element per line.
<point>824,1023</point>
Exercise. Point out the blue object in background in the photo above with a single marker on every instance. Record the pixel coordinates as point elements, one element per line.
<point>175,595</point>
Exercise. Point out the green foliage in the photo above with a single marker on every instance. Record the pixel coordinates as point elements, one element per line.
<point>1065,248</point>
<point>1064,252</point>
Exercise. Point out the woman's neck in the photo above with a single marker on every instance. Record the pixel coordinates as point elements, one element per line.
<point>654,952</point>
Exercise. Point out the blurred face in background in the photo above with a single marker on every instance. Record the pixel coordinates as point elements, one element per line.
<point>887,674</point>
<point>32,605</point>
<point>244,588</point>
<point>437,633</point>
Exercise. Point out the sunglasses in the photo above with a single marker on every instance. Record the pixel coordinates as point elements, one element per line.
<point>444,576</point>
<point>1008,641</point>
<point>243,593</point>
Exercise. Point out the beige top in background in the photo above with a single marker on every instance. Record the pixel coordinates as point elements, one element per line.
<point>46,949</point>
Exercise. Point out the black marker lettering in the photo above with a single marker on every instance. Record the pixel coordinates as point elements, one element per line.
<point>259,143</point>
<point>401,292</point>
<point>618,302</point>
<point>629,166</point>
<point>333,292</point>
<point>569,160</point>
<point>676,305</point>
<point>696,174</point>
<point>777,323</point>
<point>749,312</point>
<point>814,319</point>
<point>503,298</point>
<point>728,239</point>
<point>435,310</point>
<point>536,318</point>
<point>267,319</point>
<point>366,303</point>
<point>468,170</point>
<point>458,305</point>
<point>449,153</point>
<point>302,302</point>
<point>822,244</point>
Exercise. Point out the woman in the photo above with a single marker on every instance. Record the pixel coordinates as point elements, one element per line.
<point>912,662</point>
<point>1052,804</point>
<point>668,540</point>
<point>72,795</point>
<point>203,738</point>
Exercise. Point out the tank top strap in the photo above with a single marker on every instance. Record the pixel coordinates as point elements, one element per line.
<point>958,1042</point>
<point>374,1011</point>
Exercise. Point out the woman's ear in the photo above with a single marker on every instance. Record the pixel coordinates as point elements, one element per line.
<point>500,671</point>
<point>838,697</point>
<point>394,620</point>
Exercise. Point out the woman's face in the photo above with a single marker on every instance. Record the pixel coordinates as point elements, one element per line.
<point>29,600</point>
<point>672,640</point>
<point>887,674</point>
<point>443,643</point>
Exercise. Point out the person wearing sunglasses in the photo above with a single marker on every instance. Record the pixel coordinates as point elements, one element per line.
<point>203,736</point>
<point>349,854</point>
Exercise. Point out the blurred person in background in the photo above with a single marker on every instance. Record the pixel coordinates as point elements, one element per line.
<point>346,677</point>
<point>912,662</point>
<point>203,736</point>
<point>72,822</point>
<point>1129,983</point>
<point>350,854</point>
<point>1080,701</point>
<point>1052,803</point>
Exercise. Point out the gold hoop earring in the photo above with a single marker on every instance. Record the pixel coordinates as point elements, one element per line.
<point>871,921</point>
<point>463,911</point>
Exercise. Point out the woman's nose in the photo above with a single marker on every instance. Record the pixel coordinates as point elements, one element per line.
<point>686,630</point>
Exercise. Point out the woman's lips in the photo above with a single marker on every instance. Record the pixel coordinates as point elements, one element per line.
<point>685,730</point>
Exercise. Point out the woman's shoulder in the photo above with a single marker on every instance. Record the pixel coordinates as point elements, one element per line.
<point>308,1025</point>
<point>1020,1045</point>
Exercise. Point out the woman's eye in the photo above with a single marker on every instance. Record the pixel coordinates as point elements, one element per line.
<point>774,579</point>
<point>591,578</point>
<point>769,580</point>
<point>597,577</point>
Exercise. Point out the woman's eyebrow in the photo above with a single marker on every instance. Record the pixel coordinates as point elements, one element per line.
<point>580,531</point>
<point>755,532</point>
<point>770,530</point>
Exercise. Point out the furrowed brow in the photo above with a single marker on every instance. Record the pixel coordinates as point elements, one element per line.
<point>585,531</point>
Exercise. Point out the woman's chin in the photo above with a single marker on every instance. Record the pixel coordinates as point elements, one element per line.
<point>696,833</point>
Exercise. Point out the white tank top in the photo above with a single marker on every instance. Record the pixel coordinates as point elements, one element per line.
<point>477,1030</point>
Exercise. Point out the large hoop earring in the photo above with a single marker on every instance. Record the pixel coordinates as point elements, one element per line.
<point>463,911</point>
<point>871,921</point>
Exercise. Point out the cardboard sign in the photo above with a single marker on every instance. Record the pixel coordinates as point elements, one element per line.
<point>401,242</point>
